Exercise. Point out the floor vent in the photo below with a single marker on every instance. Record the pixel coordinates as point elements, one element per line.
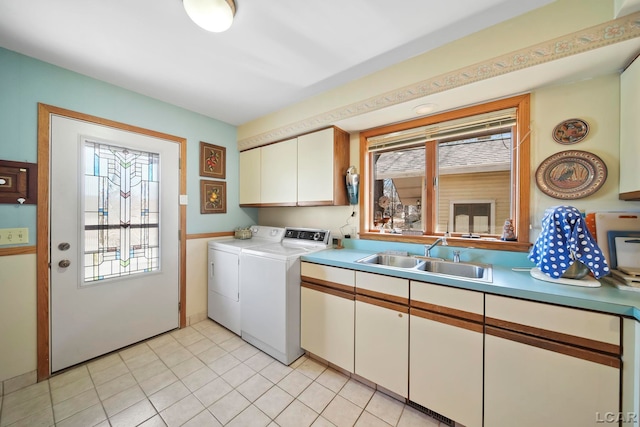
<point>432,414</point>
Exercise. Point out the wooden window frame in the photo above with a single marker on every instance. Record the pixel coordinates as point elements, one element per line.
<point>520,177</point>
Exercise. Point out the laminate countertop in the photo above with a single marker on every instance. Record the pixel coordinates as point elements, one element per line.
<point>506,281</point>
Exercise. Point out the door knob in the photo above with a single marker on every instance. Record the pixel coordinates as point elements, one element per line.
<point>64,263</point>
<point>64,246</point>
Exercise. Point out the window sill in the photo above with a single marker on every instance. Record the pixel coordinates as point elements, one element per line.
<point>483,243</point>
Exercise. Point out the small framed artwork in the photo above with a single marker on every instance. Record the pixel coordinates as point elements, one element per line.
<point>213,160</point>
<point>213,197</point>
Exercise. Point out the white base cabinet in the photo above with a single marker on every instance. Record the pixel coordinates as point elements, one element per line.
<point>530,386</point>
<point>382,331</point>
<point>327,326</point>
<point>382,342</point>
<point>446,351</point>
<point>549,366</point>
<point>327,313</point>
<point>479,359</point>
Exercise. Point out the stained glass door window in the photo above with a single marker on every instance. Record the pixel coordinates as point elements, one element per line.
<point>121,212</point>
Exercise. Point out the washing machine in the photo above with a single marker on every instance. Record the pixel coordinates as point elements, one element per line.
<point>224,271</point>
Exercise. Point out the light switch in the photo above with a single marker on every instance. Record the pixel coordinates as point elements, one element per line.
<point>12,236</point>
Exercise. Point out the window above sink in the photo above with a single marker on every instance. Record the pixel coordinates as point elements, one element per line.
<point>463,173</point>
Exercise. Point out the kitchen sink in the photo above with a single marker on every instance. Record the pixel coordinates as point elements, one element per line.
<point>387,260</point>
<point>436,266</point>
<point>458,269</point>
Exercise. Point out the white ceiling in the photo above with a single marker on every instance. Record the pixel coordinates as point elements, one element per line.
<point>275,54</point>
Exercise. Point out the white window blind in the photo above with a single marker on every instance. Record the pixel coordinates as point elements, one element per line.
<point>452,128</point>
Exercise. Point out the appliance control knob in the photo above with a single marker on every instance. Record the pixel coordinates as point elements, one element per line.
<point>316,236</point>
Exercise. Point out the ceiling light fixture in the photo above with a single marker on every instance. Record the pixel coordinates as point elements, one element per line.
<point>425,108</point>
<point>212,15</point>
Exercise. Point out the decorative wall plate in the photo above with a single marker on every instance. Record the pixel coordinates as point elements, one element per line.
<point>571,174</point>
<point>570,131</point>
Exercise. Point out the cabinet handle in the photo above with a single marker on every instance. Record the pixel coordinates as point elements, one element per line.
<point>211,270</point>
<point>399,314</point>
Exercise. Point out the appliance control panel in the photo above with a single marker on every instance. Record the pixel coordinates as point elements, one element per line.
<point>307,235</point>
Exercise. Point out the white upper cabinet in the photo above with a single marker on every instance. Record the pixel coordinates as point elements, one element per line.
<point>279,173</point>
<point>630,132</point>
<point>323,159</point>
<point>305,171</point>
<point>250,177</point>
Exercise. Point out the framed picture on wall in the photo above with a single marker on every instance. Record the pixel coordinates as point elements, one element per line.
<point>213,197</point>
<point>213,160</point>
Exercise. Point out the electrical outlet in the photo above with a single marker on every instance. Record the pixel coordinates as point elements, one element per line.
<point>12,236</point>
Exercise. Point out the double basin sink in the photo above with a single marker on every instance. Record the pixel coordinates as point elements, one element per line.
<point>461,270</point>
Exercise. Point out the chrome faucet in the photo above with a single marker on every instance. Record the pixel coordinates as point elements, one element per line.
<point>427,248</point>
<point>456,256</point>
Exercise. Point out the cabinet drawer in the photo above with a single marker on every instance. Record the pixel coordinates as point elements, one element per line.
<point>447,300</point>
<point>324,274</point>
<point>379,286</point>
<point>573,326</point>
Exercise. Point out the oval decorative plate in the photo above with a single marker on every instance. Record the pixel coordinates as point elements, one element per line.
<point>570,131</point>
<point>571,174</point>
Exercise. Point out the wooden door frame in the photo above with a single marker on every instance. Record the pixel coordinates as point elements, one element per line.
<point>43,241</point>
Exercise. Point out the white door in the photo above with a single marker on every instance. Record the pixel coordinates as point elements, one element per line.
<point>114,239</point>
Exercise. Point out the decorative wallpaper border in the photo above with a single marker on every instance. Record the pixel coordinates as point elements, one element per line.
<point>608,33</point>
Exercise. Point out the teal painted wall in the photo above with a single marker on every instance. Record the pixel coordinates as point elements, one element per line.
<point>24,82</point>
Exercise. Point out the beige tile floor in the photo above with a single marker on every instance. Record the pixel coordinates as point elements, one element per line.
<point>200,376</point>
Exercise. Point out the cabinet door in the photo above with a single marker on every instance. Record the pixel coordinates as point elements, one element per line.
<point>279,173</point>
<point>629,129</point>
<point>250,177</point>
<point>533,387</point>
<point>327,326</point>
<point>446,366</point>
<point>315,167</point>
<point>382,346</point>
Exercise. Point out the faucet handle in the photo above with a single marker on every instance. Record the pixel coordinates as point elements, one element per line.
<point>456,256</point>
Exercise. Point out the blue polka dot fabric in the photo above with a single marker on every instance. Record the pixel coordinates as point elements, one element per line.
<point>564,231</point>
